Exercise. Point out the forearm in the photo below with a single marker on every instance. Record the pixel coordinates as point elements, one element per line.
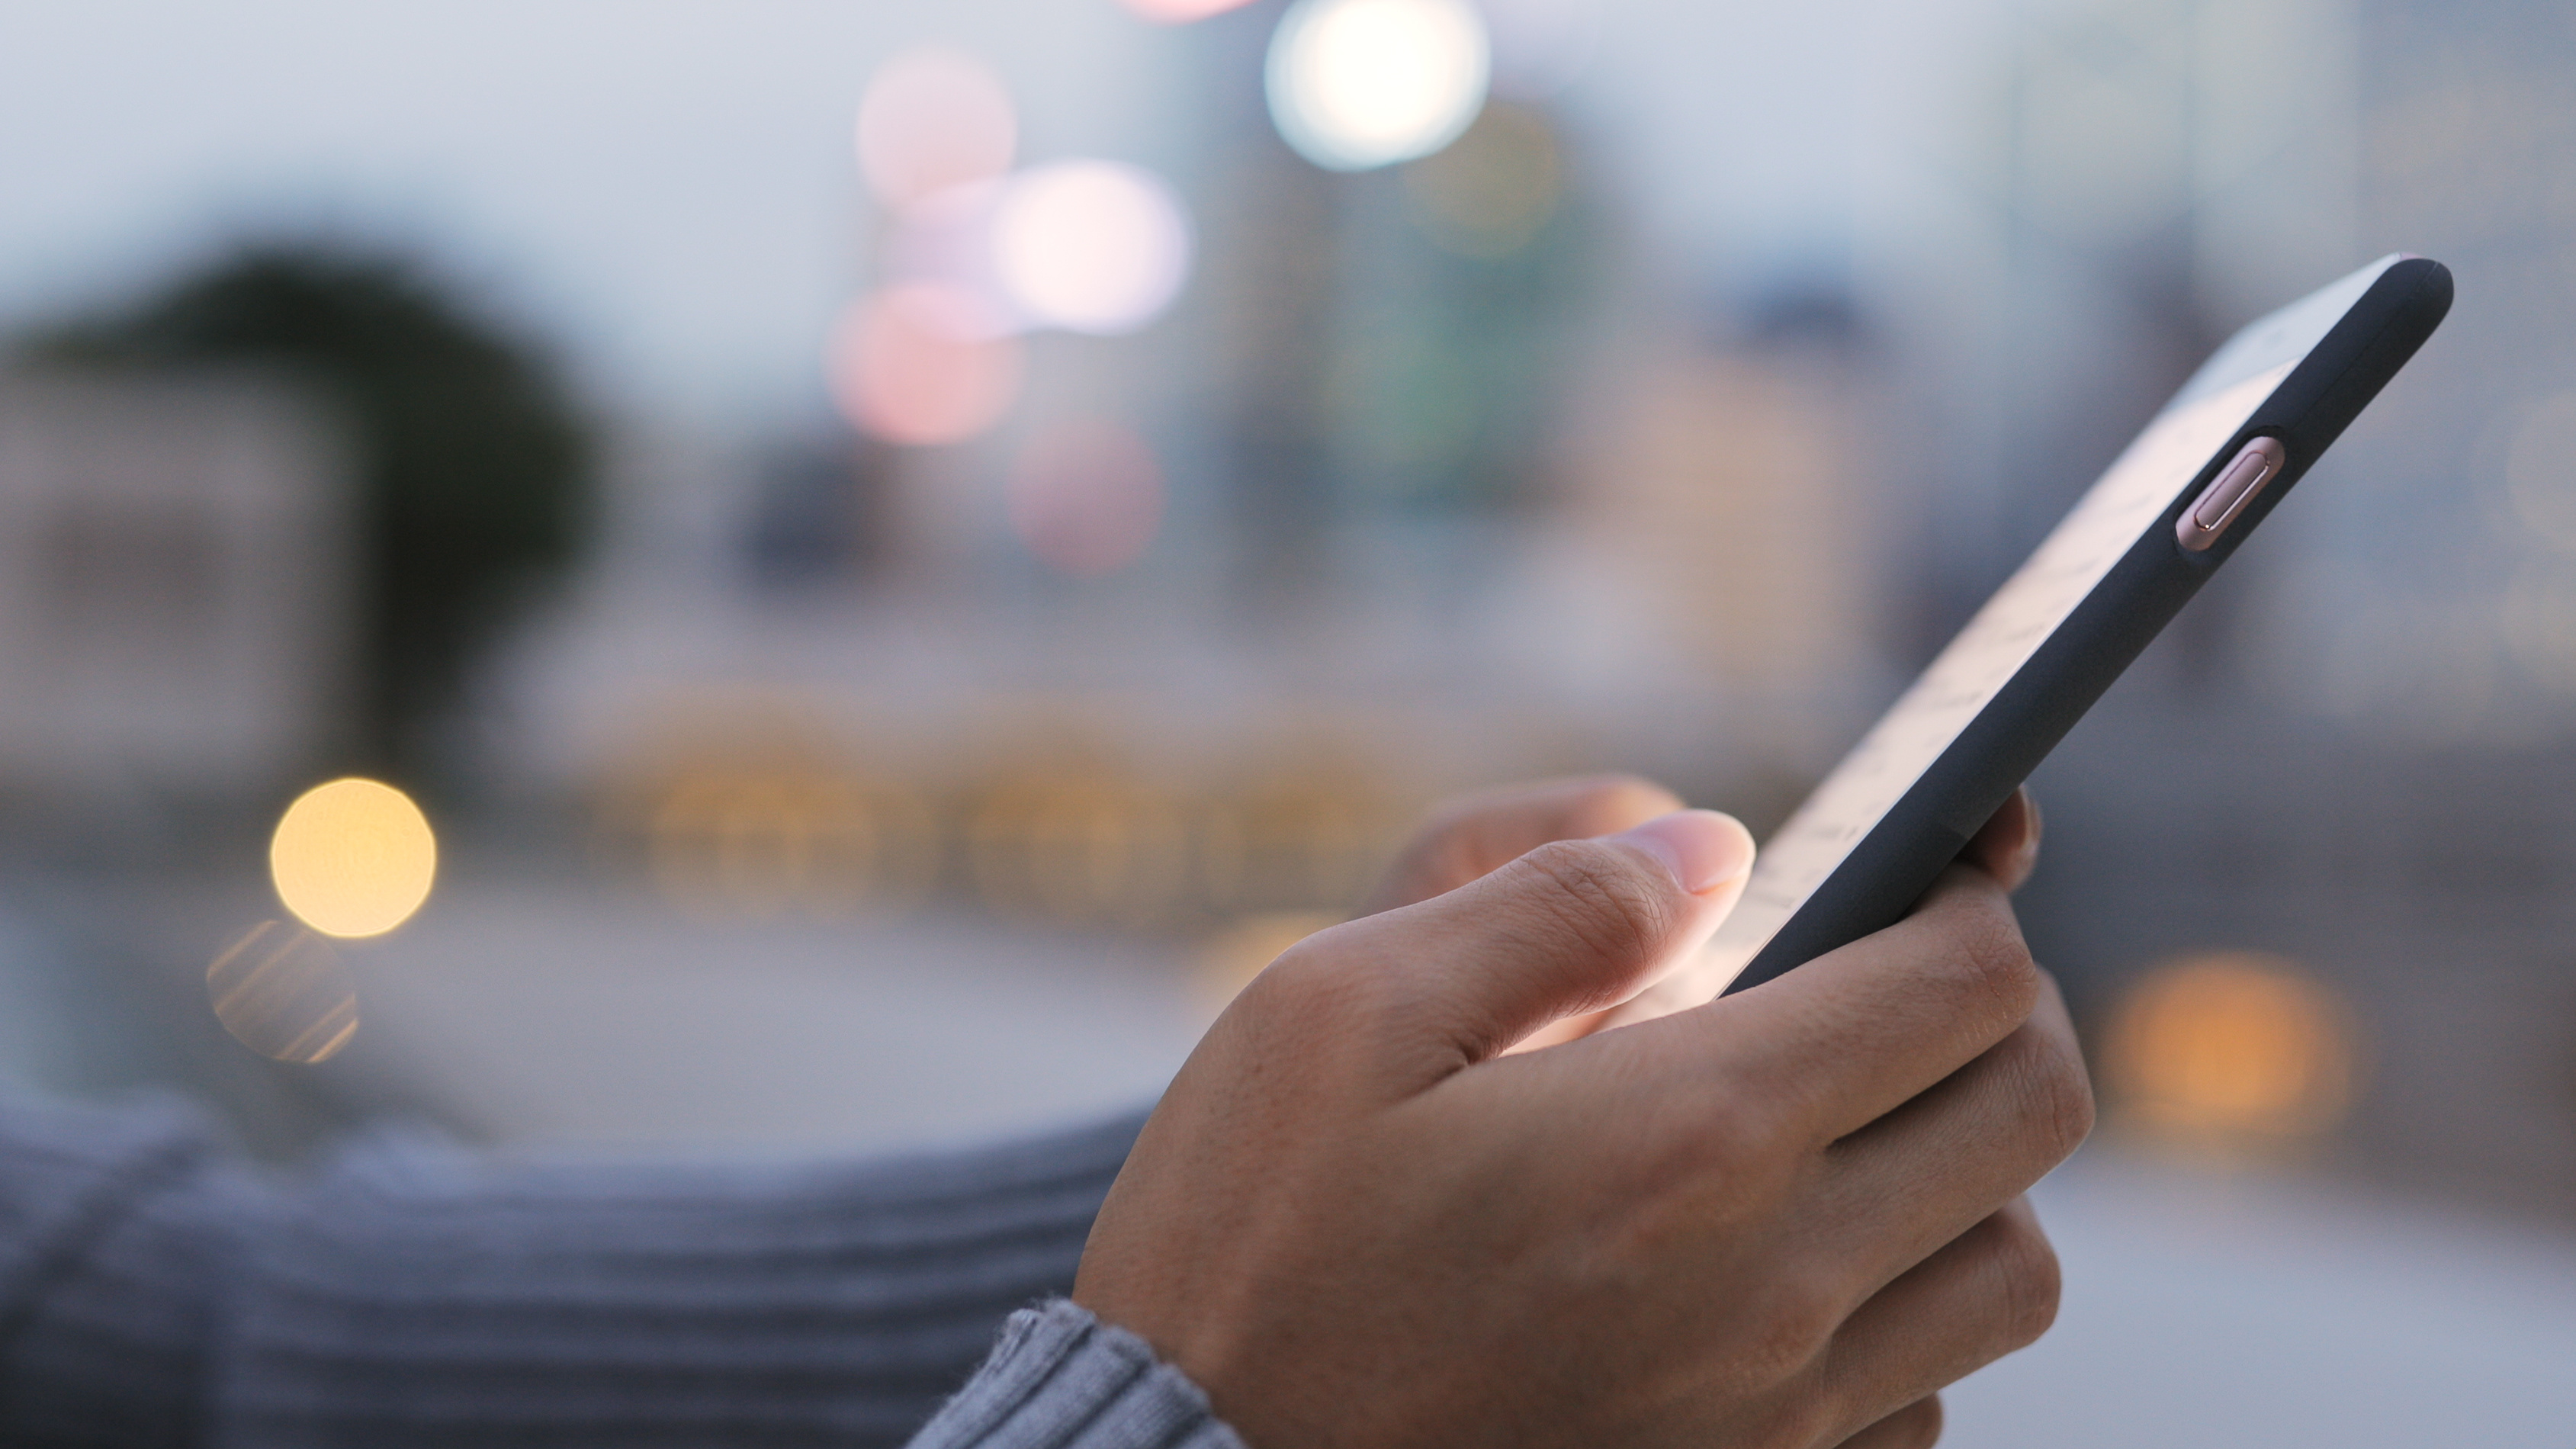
<point>422,1296</point>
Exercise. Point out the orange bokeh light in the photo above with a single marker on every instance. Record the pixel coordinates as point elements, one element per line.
<point>1086,496</point>
<point>2232,1044</point>
<point>916,365</point>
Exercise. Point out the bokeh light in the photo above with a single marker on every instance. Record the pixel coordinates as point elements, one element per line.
<point>1090,246</point>
<point>2540,471</point>
<point>1488,193</point>
<point>1181,12</point>
<point>2231,1046</point>
<point>283,993</point>
<point>754,843</point>
<point>916,364</point>
<point>1079,846</point>
<point>933,118</point>
<point>353,858</point>
<point>1361,83</point>
<point>1303,833</point>
<point>1086,496</point>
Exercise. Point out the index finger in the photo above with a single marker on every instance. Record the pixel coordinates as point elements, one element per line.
<point>1470,838</point>
<point>1857,1032</point>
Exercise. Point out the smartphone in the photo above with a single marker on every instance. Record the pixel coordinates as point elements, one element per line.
<point>2176,504</point>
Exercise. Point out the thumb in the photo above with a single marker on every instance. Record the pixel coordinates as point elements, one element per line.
<point>1570,927</point>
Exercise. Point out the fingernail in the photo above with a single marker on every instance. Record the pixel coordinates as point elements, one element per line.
<point>1703,849</point>
<point>2029,852</point>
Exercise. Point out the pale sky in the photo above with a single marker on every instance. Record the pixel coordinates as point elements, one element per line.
<point>666,187</point>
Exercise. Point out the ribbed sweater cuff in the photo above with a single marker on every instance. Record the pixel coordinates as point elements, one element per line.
<point>1062,1379</point>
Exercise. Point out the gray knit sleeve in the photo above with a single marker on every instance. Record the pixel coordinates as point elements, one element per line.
<point>154,1291</point>
<point>1062,1379</point>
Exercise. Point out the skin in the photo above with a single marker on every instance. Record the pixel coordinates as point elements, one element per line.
<point>1407,1193</point>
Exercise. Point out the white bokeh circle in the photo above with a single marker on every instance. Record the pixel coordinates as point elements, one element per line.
<point>1090,246</point>
<point>1360,83</point>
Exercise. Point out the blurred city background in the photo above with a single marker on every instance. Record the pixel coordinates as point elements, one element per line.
<point>896,553</point>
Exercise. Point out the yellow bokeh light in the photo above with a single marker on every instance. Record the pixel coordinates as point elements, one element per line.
<point>353,858</point>
<point>1079,847</point>
<point>757,842</point>
<point>2232,1045</point>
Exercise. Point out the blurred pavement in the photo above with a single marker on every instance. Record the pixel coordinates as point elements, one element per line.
<point>546,1016</point>
<point>2232,1313</point>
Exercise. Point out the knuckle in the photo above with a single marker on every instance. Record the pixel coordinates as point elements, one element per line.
<point>2064,1107</point>
<point>1314,984</point>
<point>1916,1426</point>
<point>1789,1336</point>
<point>1597,899</point>
<point>1996,963</point>
<point>1304,966</point>
<point>2053,1092</point>
<point>2026,1269</point>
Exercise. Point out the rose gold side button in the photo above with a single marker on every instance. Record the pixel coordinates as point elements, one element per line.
<point>2236,486</point>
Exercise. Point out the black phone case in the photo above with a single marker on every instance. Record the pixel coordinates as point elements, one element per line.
<point>1891,867</point>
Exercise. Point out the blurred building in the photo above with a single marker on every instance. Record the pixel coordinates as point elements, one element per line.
<point>1729,537</point>
<point>2133,180</point>
<point>174,588</point>
<point>2357,753</point>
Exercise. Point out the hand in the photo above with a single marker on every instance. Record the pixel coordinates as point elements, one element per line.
<point>1472,835</point>
<point>1784,1218</point>
<point>1477,833</point>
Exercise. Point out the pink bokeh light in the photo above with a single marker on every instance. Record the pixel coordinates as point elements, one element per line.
<point>934,118</point>
<point>1180,12</point>
<point>1086,496</point>
<point>915,365</point>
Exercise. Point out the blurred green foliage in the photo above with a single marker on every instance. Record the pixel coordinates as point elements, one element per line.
<point>472,466</point>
